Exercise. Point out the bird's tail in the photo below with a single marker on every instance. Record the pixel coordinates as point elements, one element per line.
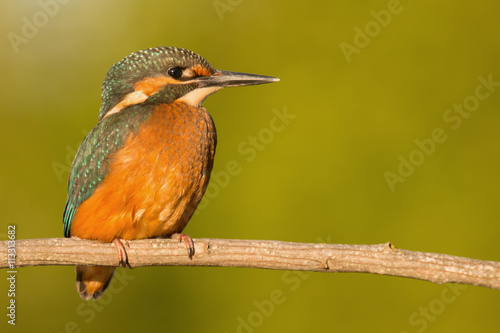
<point>92,281</point>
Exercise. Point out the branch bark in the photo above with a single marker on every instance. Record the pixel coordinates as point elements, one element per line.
<point>382,259</point>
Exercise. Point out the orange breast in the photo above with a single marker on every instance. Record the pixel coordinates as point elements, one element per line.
<point>155,181</point>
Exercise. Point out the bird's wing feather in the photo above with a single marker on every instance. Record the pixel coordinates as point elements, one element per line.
<point>90,167</point>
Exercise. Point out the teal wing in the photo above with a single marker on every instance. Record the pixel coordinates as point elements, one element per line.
<point>90,167</point>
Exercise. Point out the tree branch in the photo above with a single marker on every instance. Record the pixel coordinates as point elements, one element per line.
<point>382,259</point>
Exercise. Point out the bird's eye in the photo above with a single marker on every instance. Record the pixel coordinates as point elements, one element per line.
<point>175,72</point>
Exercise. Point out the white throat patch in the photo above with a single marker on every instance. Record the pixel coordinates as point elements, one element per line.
<point>197,96</point>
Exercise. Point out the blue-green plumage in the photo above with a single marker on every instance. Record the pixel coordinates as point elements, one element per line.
<point>90,165</point>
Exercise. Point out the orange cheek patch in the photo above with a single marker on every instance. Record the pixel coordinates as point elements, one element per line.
<point>201,71</point>
<point>142,91</point>
<point>150,85</point>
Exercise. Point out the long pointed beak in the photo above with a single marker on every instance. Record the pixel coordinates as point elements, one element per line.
<point>234,79</point>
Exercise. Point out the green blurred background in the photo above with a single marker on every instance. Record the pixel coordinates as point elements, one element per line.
<point>320,179</point>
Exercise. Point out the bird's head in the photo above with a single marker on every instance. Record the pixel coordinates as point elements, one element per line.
<point>166,74</point>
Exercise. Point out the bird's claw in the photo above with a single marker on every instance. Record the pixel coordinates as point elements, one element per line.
<point>188,242</point>
<point>122,252</point>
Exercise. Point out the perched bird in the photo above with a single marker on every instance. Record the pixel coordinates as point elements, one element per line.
<point>143,169</point>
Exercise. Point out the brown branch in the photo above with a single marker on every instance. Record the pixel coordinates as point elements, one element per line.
<point>382,259</point>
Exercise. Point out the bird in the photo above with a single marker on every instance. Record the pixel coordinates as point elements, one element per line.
<point>143,169</point>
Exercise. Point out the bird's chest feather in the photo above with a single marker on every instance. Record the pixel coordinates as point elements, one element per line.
<point>155,181</point>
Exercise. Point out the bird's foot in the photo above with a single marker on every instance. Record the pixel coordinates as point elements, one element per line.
<point>188,242</point>
<point>122,253</point>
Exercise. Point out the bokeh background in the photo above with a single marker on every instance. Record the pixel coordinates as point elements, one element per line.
<point>320,179</point>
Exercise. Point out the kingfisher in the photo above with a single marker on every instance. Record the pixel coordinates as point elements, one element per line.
<point>143,169</point>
